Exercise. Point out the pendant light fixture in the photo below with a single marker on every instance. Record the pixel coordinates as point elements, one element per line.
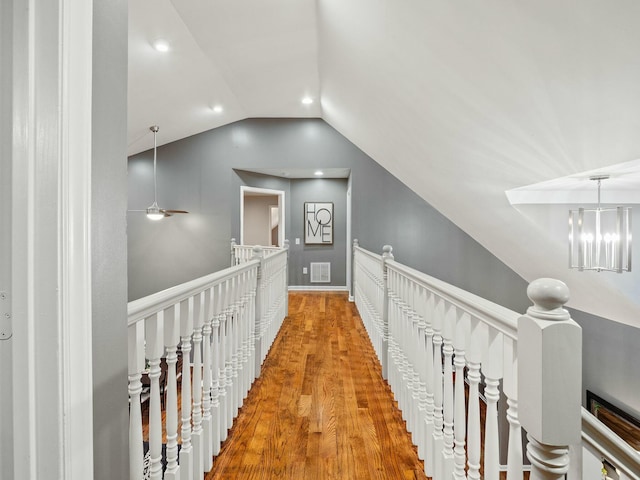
<point>600,238</point>
<point>154,212</point>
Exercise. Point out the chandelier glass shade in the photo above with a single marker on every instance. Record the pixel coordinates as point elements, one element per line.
<point>600,238</point>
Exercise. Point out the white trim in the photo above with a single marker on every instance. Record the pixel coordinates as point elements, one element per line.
<point>315,288</point>
<point>74,258</point>
<point>349,253</point>
<point>281,205</point>
<point>22,278</point>
<point>50,249</point>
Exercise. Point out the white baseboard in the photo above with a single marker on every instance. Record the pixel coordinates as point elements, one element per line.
<point>318,288</point>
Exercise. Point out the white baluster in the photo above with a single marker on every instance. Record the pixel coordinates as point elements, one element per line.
<point>422,373</point>
<point>135,367</point>
<point>222,373</point>
<point>228,364</point>
<point>244,342</point>
<point>207,436</point>
<point>259,305</point>
<point>232,372</point>
<point>215,365</point>
<point>459,423</point>
<point>186,330</point>
<point>438,440</point>
<point>251,316</point>
<point>196,434</point>
<point>171,340</point>
<point>155,347</point>
<point>447,349</point>
<point>510,389</point>
<point>387,255</point>
<point>477,340</point>
<point>492,369</point>
<point>429,460</point>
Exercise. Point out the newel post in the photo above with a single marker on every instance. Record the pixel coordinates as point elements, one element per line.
<point>258,254</point>
<point>233,252</point>
<point>286,281</point>
<point>352,284</point>
<point>386,256</point>
<point>550,379</point>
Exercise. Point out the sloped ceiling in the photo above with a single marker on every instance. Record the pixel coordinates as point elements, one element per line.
<point>462,101</point>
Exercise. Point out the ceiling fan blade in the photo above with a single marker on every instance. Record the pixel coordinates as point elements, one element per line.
<point>174,211</point>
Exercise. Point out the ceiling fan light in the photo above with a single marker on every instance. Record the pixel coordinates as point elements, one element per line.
<point>154,213</point>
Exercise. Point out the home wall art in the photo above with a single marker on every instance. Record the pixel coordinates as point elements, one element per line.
<point>318,223</point>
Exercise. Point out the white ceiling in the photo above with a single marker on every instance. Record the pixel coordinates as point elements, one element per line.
<point>462,101</point>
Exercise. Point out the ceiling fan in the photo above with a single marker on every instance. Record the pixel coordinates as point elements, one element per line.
<point>154,212</point>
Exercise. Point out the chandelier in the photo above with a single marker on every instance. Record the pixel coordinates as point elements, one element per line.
<point>600,238</point>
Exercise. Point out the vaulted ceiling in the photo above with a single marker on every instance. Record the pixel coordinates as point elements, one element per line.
<point>462,101</point>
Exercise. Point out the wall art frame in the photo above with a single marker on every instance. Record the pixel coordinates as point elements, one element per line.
<point>318,223</point>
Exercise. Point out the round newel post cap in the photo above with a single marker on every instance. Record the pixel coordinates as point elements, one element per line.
<point>355,242</point>
<point>548,296</point>
<point>387,251</point>
<point>286,243</point>
<point>257,251</point>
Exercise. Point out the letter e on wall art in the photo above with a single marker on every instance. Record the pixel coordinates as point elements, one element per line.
<point>318,223</point>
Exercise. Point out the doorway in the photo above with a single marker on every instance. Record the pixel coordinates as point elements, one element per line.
<point>262,217</point>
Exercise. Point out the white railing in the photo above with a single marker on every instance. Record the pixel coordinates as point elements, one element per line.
<point>599,443</point>
<point>431,336</point>
<point>244,253</point>
<point>219,327</point>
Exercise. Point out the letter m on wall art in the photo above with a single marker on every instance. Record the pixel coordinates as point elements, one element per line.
<point>318,223</point>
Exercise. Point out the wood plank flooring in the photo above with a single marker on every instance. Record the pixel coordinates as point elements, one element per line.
<point>320,409</point>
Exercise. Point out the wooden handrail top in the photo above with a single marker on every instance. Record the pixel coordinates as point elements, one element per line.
<point>156,302</point>
<point>499,317</point>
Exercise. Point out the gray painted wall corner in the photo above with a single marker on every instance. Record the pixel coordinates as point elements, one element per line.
<point>108,233</point>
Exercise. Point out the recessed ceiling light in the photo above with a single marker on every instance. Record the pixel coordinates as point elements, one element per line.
<point>307,100</point>
<point>318,173</point>
<point>218,109</point>
<point>161,45</point>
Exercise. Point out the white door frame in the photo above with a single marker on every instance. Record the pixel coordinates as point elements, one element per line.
<point>281,207</point>
<point>270,209</point>
<point>50,285</point>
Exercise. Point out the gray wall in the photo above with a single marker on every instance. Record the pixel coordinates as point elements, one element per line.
<point>108,237</point>
<point>318,190</point>
<point>426,240</point>
<point>203,174</point>
<point>610,361</point>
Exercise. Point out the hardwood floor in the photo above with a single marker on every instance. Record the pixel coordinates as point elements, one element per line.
<point>320,409</point>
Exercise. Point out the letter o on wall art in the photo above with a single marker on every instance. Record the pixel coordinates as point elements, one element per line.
<point>318,223</point>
